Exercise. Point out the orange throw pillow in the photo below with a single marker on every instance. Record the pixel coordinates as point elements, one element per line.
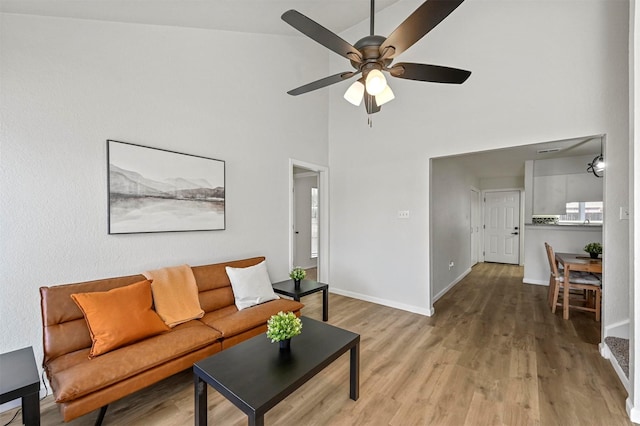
<point>119,316</point>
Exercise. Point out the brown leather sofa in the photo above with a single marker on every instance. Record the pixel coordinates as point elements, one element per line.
<point>81,385</point>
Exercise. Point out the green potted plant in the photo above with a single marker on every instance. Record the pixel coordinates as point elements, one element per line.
<point>594,249</point>
<point>297,274</point>
<point>282,326</point>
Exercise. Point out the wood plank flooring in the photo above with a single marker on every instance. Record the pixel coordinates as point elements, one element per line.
<point>493,354</point>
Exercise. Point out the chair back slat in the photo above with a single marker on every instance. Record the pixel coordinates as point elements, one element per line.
<point>551,257</point>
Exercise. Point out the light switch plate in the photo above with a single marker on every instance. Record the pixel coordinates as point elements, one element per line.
<point>403,214</point>
<point>624,213</point>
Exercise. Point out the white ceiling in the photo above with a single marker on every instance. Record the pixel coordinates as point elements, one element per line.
<point>252,16</point>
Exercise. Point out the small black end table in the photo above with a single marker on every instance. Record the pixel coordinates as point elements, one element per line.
<point>307,287</point>
<point>19,379</point>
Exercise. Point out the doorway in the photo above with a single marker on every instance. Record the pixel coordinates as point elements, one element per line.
<point>502,227</point>
<point>309,217</point>
<point>305,218</point>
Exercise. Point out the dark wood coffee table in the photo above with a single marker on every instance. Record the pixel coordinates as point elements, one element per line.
<point>307,287</point>
<point>19,379</point>
<point>255,376</point>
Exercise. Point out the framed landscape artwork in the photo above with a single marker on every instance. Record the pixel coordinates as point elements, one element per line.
<point>155,190</point>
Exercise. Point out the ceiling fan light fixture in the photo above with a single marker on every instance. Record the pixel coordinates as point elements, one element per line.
<point>375,82</point>
<point>355,93</point>
<point>385,96</point>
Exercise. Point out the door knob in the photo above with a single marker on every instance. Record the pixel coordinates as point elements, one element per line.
<point>514,233</point>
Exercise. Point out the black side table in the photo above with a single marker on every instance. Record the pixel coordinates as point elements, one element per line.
<point>19,379</point>
<point>307,287</point>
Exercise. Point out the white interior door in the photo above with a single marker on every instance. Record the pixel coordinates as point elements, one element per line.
<point>474,224</point>
<point>502,227</point>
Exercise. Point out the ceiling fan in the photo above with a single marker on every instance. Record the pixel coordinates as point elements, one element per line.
<point>373,54</point>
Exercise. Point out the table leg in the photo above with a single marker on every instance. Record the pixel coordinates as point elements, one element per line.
<point>200,411</point>
<point>565,301</point>
<point>255,420</point>
<point>325,304</point>
<point>354,372</point>
<point>31,409</point>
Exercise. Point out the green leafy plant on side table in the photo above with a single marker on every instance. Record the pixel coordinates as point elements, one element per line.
<point>594,249</point>
<point>282,327</point>
<point>297,274</point>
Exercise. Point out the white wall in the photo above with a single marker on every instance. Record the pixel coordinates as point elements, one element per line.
<point>530,83</point>
<point>508,182</point>
<point>68,85</point>
<point>450,223</point>
<point>633,402</point>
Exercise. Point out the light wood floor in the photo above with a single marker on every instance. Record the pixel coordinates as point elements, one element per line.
<point>493,354</point>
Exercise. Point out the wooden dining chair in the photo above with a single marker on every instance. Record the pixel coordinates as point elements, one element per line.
<point>582,282</point>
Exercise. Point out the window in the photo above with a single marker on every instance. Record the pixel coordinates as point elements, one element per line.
<point>582,212</point>
<point>314,222</point>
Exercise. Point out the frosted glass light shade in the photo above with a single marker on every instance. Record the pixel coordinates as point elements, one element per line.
<point>375,82</point>
<point>355,93</point>
<point>385,96</point>
<point>599,166</point>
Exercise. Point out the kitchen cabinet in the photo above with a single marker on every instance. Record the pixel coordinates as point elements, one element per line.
<point>552,193</point>
<point>549,195</point>
<point>584,187</point>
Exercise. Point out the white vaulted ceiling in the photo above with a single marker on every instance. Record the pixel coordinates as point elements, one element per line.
<point>251,16</point>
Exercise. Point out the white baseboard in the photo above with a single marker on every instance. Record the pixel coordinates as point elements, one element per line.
<point>384,302</point>
<point>633,412</point>
<point>536,282</point>
<point>450,286</point>
<point>606,353</point>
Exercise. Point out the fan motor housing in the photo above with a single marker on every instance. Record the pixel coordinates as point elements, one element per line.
<point>369,48</point>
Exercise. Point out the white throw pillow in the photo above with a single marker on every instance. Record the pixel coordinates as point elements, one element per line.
<point>251,285</point>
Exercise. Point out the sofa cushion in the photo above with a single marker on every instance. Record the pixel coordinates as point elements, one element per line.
<point>251,285</point>
<point>119,316</point>
<point>230,321</point>
<point>74,375</point>
<point>175,294</point>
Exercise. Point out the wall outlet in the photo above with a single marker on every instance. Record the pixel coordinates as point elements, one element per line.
<point>451,264</point>
<point>403,214</point>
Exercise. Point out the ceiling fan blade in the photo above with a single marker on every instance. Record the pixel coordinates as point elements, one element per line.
<point>370,103</point>
<point>323,82</point>
<point>420,22</point>
<point>432,73</point>
<point>322,35</point>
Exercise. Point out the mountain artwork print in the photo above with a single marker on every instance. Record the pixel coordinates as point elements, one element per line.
<point>154,190</point>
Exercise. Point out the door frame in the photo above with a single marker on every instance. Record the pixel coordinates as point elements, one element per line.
<point>323,213</point>
<point>479,235</point>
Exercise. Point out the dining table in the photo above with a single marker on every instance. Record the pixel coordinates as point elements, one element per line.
<point>576,262</point>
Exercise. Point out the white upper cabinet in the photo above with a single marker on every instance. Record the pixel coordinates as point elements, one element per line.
<point>549,195</point>
<point>557,182</point>
<point>584,187</point>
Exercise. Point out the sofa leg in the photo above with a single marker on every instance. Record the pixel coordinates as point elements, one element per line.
<point>103,411</point>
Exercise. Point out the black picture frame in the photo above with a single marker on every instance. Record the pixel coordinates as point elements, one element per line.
<point>156,190</point>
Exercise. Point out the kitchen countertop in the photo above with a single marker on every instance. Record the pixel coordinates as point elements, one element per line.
<point>566,226</point>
